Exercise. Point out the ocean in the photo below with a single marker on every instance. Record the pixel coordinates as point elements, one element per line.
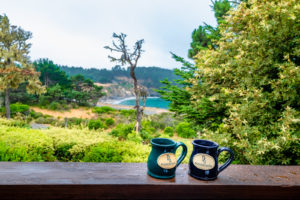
<point>155,102</point>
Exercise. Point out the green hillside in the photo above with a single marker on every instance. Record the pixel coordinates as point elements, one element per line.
<point>148,76</point>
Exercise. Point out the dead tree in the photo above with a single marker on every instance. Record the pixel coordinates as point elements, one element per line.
<point>131,59</point>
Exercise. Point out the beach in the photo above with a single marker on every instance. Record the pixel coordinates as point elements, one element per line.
<point>147,110</point>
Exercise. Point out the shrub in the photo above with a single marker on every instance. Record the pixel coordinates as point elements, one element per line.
<point>62,151</point>
<point>117,151</point>
<point>17,108</point>
<point>53,105</point>
<point>77,121</point>
<point>45,120</point>
<point>19,144</point>
<point>128,113</point>
<point>104,152</point>
<point>103,109</point>
<point>35,115</point>
<point>109,122</point>
<point>14,123</point>
<point>122,130</point>
<point>169,131</point>
<point>95,124</point>
<point>184,130</point>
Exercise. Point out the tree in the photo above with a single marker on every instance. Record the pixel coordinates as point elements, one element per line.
<point>205,37</point>
<point>51,74</point>
<point>254,75</point>
<point>15,66</point>
<point>130,58</point>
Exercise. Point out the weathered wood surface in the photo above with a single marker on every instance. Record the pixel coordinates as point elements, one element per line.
<point>57,180</point>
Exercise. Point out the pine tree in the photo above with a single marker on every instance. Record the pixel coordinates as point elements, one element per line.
<point>205,37</point>
<point>15,66</point>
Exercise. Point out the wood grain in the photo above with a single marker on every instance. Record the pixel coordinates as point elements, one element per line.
<point>58,180</point>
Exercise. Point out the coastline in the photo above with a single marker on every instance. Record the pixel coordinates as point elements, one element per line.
<point>147,110</point>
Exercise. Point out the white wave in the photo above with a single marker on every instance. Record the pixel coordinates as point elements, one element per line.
<point>130,98</point>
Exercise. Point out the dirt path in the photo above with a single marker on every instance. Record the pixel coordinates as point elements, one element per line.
<point>85,113</point>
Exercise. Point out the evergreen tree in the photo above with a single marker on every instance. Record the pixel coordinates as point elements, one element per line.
<point>254,76</point>
<point>15,66</point>
<point>178,94</point>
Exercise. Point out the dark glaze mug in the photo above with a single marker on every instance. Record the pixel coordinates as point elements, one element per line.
<point>162,162</point>
<point>203,163</point>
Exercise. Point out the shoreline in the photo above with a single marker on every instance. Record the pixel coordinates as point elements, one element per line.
<point>117,101</point>
<point>147,110</point>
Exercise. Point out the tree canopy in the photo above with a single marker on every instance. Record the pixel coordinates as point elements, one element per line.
<point>254,76</point>
<point>15,66</point>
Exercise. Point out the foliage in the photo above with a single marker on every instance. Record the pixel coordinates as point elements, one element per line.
<point>128,113</point>
<point>103,109</point>
<point>15,66</point>
<point>169,131</point>
<point>149,77</point>
<point>109,122</point>
<point>184,129</point>
<point>62,92</point>
<point>178,94</point>
<point>117,151</point>
<point>122,130</point>
<point>128,57</point>
<point>19,144</point>
<point>95,124</point>
<point>23,144</point>
<point>254,76</point>
<point>18,108</point>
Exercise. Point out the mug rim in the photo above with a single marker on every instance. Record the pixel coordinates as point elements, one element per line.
<point>152,141</point>
<point>215,145</point>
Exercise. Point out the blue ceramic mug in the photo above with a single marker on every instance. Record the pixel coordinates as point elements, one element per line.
<point>203,163</point>
<point>162,162</point>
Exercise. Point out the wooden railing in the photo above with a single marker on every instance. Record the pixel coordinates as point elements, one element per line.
<point>57,180</point>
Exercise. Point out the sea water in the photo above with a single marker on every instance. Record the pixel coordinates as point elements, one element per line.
<point>155,102</point>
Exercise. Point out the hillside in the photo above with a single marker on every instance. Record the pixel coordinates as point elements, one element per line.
<point>120,79</point>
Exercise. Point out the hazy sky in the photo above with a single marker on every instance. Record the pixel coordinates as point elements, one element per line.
<point>74,32</point>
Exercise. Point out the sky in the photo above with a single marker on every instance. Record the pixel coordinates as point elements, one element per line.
<point>74,32</point>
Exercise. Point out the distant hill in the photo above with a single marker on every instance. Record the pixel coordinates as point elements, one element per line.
<point>149,77</point>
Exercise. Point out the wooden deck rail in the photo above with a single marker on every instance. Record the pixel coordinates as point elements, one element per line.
<point>57,180</point>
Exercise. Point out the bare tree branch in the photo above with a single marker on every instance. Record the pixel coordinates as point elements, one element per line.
<point>130,58</point>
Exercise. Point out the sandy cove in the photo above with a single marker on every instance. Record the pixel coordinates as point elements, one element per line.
<point>147,111</point>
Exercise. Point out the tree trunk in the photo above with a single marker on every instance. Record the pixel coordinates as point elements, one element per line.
<point>137,101</point>
<point>7,103</point>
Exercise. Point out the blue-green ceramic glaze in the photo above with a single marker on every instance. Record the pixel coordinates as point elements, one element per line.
<point>164,146</point>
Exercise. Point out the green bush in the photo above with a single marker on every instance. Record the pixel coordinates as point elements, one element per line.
<point>17,108</point>
<point>19,144</point>
<point>103,109</point>
<point>45,120</point>
<point>35,115</point>
<point>117,151</point>
<point>128,113</point>
<point>104,152</point>
<point>185,130</point>
<point>109,122</point>
<point>169,131</point>
<point>95,124</point>
<point>53,105</point>
<point>122,130</point>
<point>62,152</point>
<point>14,123</point>
<point>77,121</point>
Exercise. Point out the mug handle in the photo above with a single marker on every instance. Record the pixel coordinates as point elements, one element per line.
<point>228,162</point>
<point>183,153</point>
